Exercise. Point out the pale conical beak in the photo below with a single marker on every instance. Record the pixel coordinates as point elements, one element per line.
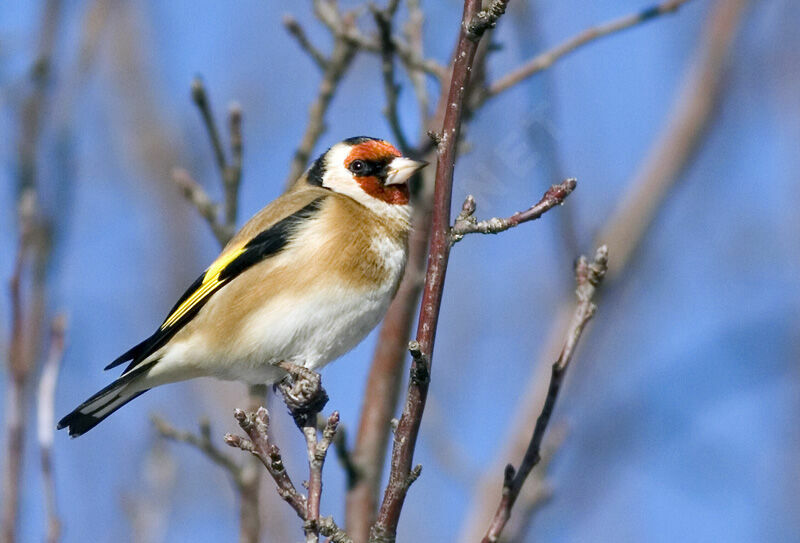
<point>401,169</point>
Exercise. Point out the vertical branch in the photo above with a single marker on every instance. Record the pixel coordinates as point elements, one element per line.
<point>34,243</point>
<point>334,69</point>
<point>305,398</point>
<point>247,478</point>
<point>46,424</point>
<point>383,385</point>
<point>474,24</point>
<point>250,481</point>
<point>629,224</point>
<point>382,388</point>
<point>588,278</point>
<point>383,19</point>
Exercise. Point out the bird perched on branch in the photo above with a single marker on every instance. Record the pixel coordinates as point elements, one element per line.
<point>304,281</point>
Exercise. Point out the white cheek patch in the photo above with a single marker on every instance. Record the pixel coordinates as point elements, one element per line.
<point>340,179</point>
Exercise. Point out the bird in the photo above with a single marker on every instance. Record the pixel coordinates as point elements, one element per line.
<point>303,282</point>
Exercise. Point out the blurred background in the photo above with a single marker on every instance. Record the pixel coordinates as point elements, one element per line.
<point>680,419</point>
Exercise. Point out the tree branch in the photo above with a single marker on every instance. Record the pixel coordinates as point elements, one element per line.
<point>328,14</point>
<point>247,476</point>
<point>230,172</point>
<point>256,426</point>
<point>383,19</point>
<point>30,266</point>
<point>299,34</point>
<point>549,57</point>
<point>588,277</point>
<point>335,67</point>
<point>343,454</point>
<point>203,443</point>
<point>466,223</point>
<point>385,528</point>
<point>203,103</point>
<point>205,206</point>
<point>628,226</point>
<point>46,423</point>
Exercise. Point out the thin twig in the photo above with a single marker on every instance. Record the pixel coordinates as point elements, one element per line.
<point>629,225</point>
<point>230,172</point>
<point>199,198</point>
<point>328,14</point>
<point>343,454</point>
<point>232,175</point>
<point>413,31</point>
<point>546,59</point>
<point>247,476</point>
<point>256,426</point>
<point>259,444</point>
<point>317,452</point>
<point>202,442</point>
<point>466,223</point>
<point>383,20</point>
<point>27,319</point>
<point>203,103</point>
<point>298,33</point>
<point>588,276</point>
<point>338,64</point>
<point>46,424</point>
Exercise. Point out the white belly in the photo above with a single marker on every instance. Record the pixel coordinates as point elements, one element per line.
<point>310,332</point>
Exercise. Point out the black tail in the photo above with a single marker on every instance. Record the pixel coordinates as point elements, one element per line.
<point>94,410</point>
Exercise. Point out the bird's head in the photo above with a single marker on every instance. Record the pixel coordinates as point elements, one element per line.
<point>369,170</point>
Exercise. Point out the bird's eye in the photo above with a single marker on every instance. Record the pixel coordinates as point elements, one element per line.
<point>358,166</point>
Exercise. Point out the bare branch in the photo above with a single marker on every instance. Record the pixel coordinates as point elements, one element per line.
<point>327,13</point>
<point>46,423</point>
<point>202,442</point>
<point>343,454</point>
<point>546,59</point>
<point>627,227</point>
<point>293,27</point>
<point>385,528</point>
<point>27,319</point>
<point>304,396</point>
<point>317,451</point>
<point>413,32</point>
<point>232,175</point>
<point>588,277</point>
<point>466,223</point>
<point>338,64</point>
<point>383,19</point>
<point>199,198</point>
<point>201,100</point>
<point>256,426</point>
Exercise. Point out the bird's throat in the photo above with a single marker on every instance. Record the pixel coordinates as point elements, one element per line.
<point>391,194</point>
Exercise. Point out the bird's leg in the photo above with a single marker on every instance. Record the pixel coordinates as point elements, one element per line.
<point>303,393</point>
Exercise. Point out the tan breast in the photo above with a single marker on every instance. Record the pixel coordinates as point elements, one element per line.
<point>344,245</point>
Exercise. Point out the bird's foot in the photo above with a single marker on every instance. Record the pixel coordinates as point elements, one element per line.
<point>303,393</point>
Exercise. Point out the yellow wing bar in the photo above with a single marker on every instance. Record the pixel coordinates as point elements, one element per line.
<point>210,283</point>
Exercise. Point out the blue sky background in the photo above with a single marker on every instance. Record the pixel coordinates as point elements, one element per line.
<point>683,407</point>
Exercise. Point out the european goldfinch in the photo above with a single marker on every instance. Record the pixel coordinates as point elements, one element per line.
<point>304,281</point>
